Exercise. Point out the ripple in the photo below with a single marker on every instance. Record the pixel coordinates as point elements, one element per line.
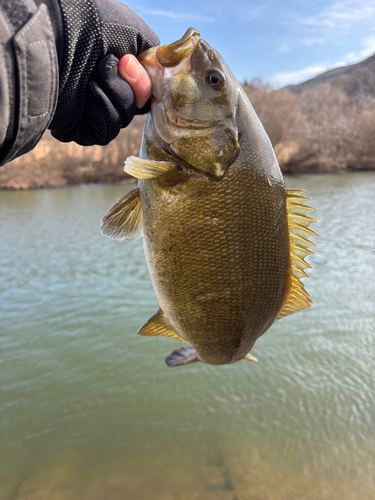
<point>81,391</point>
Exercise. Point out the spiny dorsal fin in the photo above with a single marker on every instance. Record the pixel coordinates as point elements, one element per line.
<point>156,326</point>
<point>299,231</point>
<point>123,221</point>
<point>148,169</point>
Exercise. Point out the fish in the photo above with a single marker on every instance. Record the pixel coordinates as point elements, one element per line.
<point>225,241</point>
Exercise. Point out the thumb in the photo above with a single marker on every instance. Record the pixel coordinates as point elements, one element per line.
<point>137,77</point>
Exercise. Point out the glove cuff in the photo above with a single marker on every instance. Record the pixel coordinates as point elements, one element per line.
<point>57,24</point>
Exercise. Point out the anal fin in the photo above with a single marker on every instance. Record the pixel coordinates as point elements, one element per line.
<point>156,326</point>
<point>123,221</point>
<point>182,356</point>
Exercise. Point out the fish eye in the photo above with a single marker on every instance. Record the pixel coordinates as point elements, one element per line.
<point>215,79</point>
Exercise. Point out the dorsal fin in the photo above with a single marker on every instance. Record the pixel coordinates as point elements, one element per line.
<point>123,221</point>
<point>299,232</point>
<point>156,326</point>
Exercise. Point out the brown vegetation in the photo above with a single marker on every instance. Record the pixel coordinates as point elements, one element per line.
<point>327,127</point>
<point>53,164</point>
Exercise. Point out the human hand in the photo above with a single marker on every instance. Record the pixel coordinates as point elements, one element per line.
<point>134,73</point>
<point>95,99</point>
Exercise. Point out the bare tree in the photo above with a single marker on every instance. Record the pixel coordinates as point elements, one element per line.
<point>52,163</point>
<point>329,132</point>
<point>277,110</point>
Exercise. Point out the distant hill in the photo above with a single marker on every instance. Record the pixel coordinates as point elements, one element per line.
<point>354,79</point>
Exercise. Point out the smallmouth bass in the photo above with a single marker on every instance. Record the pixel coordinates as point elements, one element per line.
<point>224,240</point>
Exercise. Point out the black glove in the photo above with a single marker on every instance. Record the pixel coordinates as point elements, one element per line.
<point>94,100</point>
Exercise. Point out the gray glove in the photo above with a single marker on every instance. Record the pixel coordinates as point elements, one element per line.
<point>94,100</point>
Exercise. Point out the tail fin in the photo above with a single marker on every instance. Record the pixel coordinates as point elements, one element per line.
<point>182,356</point>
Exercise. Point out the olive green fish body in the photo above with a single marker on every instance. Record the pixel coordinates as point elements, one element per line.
<point>218,253</point>
<point>224,240</point>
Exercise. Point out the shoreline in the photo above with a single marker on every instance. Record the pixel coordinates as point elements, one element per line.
<point>27,183</point>
<point>52,164</point>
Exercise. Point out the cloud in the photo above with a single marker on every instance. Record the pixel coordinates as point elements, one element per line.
<point>285,47</point>
<point>245,14</point>
<point>220,11</point>
<point>369,47</point>
<point>289,77</point>
<point>179,16</point>
<point>341,15</point>
<point>353,57</point>
<point>336,20</point>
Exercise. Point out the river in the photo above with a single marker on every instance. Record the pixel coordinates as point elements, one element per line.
<point>90,411</point>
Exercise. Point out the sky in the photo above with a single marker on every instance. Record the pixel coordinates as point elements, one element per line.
<point>281,42</point>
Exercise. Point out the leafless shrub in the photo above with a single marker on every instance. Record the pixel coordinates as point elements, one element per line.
<point>276,109</point>
<point>279,113</point>
<point>53,163</point>
<point>327,128</point>
<point>338,131</point>
<point>364,146</point>
<point>357,85</point>
<point>329,133</point>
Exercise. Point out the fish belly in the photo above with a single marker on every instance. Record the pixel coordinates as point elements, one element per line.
<point>218,254</point>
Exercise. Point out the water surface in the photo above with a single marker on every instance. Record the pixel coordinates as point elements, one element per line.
<point>90,411</point>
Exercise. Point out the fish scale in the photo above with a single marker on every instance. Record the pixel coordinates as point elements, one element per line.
<point>234,256</point>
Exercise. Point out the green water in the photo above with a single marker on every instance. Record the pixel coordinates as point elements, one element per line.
<point>90,411</point>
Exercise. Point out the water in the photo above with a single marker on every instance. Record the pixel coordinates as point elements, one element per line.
<point>90,411</point>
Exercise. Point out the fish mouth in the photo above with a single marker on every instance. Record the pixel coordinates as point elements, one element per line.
<point>178,123</point>
<point>170,56</point>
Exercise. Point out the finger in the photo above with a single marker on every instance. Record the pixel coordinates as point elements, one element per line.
<point>118,91</point>
<point>135,74</point>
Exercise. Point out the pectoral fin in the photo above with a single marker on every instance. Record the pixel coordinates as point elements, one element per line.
<point>182,356</point>
<point>156,326</point>
<point>148,169</point>
<point>123,221</point>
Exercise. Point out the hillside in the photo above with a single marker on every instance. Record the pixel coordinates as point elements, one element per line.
<point>353,78</point>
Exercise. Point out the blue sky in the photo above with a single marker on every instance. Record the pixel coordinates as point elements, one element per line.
<point>279,41</point>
